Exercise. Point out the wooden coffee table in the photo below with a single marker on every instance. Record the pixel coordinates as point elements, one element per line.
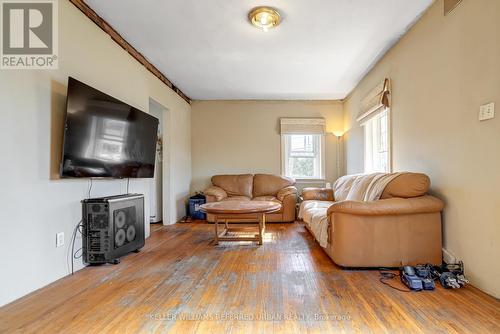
<point>249,214</point>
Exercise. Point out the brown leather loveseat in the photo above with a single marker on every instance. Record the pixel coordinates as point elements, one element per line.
<point>402,226</point>
<point>258,187</point>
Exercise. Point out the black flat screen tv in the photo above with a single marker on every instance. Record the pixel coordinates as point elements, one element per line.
<point>104,137</point>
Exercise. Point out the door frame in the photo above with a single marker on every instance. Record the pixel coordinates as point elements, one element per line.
<point>167,207</point>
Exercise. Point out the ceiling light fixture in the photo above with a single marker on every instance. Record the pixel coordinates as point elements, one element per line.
<point>264,18</point>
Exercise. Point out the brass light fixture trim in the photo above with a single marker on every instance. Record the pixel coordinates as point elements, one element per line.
<point>264,18</point>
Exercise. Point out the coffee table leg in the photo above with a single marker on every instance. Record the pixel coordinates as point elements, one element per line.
<point>262,224</point>
<point>216,240</point>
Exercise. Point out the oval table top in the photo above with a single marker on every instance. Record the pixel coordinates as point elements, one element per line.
<point>240,207</point>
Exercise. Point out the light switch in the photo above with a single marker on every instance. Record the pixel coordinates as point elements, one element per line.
<point>487,111</point>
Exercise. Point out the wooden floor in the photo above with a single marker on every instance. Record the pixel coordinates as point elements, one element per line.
<point>181,283</point>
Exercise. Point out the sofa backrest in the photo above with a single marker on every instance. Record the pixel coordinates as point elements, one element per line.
<point>269,185</point>
<point>407,185</point>
<point>235,185</point>
<point>403,185</point>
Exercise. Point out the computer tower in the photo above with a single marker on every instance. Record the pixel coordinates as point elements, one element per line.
<point>112,227</point>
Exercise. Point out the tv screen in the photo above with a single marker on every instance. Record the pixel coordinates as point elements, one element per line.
<point>104,137</point>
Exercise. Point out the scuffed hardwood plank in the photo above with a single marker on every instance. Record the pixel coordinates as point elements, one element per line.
<point>182,283</point>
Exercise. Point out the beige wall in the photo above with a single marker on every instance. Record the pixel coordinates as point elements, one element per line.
<point>33,205</point>
<point>243,136</point>
<point>442,71</point>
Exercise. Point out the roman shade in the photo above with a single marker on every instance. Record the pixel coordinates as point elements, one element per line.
<point>375,102</point>
<point>309,126</point>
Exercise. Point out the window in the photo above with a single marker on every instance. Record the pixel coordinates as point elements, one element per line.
<point>375,118</point>
<point>303,156</point>
<point>377,157</point>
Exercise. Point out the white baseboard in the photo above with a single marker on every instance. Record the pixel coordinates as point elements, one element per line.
<point>448,257</point>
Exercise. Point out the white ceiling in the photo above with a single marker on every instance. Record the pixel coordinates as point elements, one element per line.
<point>210,51</point>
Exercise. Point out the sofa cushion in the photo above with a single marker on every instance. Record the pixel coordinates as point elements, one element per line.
<point>235,185</point>
<point>269,185</point>
<point>342,187</point>
<point>237,198</point>
<point>407,185</point>
<point>315,215</point>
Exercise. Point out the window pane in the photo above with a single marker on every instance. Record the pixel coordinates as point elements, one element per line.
<point>301,146</point>
<point>301,143</point>
<point>377,144</point>
<point>302,167</point>
<point>302,156</point>
<point>383,133</point>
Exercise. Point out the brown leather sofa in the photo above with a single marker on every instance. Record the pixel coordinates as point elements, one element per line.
<point>258,187</point>
<point>402,227</point>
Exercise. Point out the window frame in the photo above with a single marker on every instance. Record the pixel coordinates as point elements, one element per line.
<point>284,157</point>
<point>367,128</point>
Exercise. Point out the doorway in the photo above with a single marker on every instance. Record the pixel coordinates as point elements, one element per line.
<point>158,184</point>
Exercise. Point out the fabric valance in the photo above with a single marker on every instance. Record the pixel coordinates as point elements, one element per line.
<point>302,125</point>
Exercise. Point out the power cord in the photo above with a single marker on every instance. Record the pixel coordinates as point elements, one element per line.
<point>387,275</point>
<point>90,188</point>
<point>73,239</point>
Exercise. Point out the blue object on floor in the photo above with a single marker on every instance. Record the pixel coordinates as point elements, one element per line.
<point>194,207</point>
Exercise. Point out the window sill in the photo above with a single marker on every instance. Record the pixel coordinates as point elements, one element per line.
<point>310,181</point>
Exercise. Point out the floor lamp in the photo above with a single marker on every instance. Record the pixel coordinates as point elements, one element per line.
<point>339,135</point>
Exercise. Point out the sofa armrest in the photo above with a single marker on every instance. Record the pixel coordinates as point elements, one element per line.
<point>391,206</point>
<point>287,191</point>
<point>218,193</point>
<point>317,194</point>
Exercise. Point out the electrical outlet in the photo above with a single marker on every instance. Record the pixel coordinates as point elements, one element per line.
<point>487,111</point>
<point>59,239</point>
